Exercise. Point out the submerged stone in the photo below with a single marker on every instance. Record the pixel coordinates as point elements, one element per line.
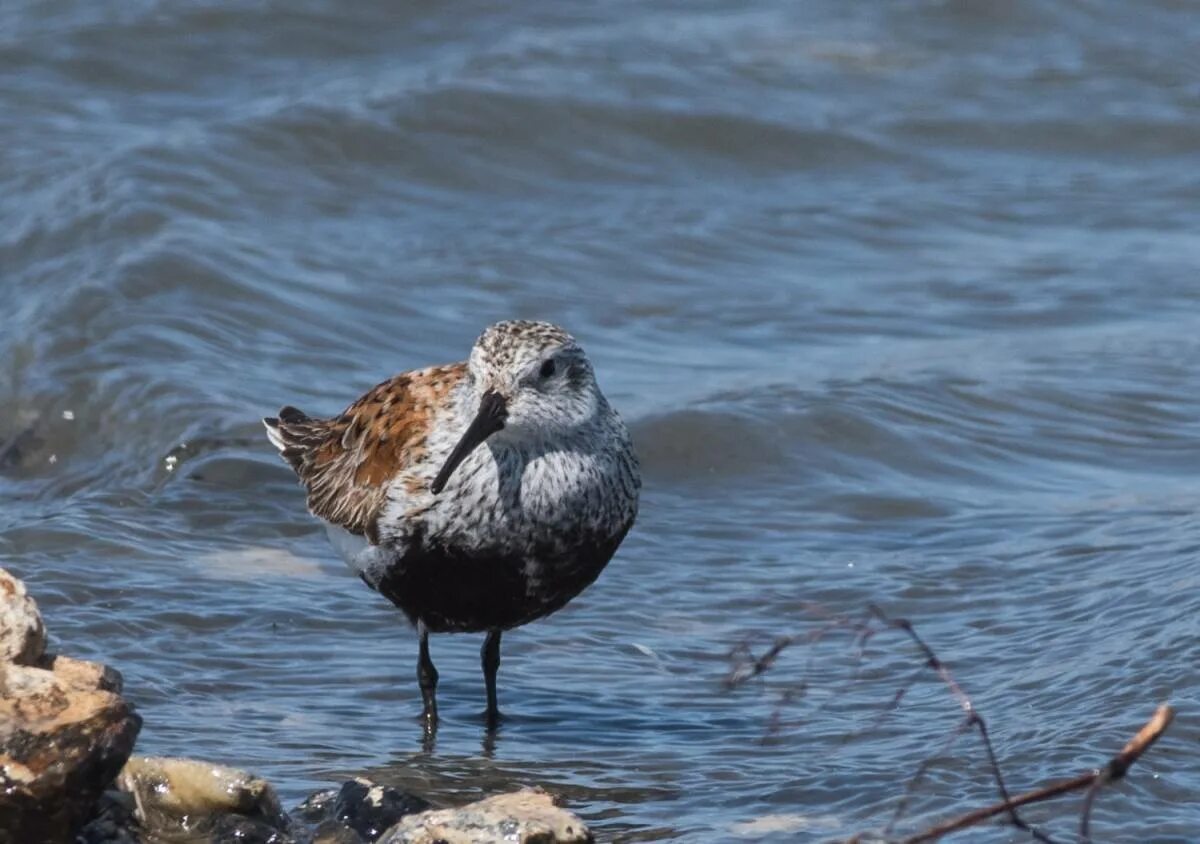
<point>331,832</point>
<point>529,816</point>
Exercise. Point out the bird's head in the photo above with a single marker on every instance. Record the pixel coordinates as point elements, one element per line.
<point>532,381</point>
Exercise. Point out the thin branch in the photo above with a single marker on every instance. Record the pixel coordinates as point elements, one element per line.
<point>972,719</point>
<point>1119,764</point>
<point>747,666</point>
<point>915,780</point>
<point>1138,745</point>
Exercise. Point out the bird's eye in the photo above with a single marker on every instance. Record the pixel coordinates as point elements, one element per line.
<point>547,368</point>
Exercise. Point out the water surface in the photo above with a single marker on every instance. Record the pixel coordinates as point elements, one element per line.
<point>900,300</point>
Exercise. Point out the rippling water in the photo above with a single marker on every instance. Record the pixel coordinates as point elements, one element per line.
<point>900,299</point>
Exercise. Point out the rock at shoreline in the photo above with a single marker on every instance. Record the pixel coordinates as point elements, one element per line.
<point>22,634</point>
<point>187,796</point>
<point>60,747</point>
<point>82,675</point>
<point>359,811</point>
<point>529,816</point>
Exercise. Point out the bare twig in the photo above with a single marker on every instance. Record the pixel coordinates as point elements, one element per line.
<point>972,719</point>
<point>1119,764</point>
<point>747,666</point>
<point>1091,780</point>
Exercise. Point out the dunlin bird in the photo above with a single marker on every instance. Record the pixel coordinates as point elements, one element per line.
<point>476,496</point>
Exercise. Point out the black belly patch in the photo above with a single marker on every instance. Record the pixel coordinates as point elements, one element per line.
<point>450,590</point>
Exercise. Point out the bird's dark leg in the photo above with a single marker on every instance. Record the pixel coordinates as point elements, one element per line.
<point>427,678</point>
<point>489,656</point>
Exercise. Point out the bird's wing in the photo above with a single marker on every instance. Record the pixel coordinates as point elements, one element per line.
<point>348,462</point>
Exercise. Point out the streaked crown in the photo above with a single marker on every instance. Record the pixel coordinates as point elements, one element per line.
<point>541,372</point>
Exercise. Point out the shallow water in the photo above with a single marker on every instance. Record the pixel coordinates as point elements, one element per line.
<point>900,300</point>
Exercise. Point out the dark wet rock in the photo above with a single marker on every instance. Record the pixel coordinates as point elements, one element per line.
<point>318,811</point>
<point>237,829</point>
<point>60,748</point>
<point>113,821</point>
<point>529,816</point>
<point>361,806</point>
<point>22,633</point>
<point>174,796</point>
<point>317,806</point>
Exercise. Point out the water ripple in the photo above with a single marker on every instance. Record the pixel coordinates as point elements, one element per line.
<point>900,303</point>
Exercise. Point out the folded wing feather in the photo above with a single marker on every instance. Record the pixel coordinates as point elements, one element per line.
<point>348,462</point>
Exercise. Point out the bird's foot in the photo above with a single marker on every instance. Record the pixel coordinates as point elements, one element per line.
<point>491,718</point>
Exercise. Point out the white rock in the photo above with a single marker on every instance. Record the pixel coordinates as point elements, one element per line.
<point>174,794</point>
<point>22,633</point>
<point>528,816</point>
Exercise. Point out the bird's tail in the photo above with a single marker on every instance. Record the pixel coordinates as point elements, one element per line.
<point>294,433</point>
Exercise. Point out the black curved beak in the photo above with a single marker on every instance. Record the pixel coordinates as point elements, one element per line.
<point>493,410</point>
